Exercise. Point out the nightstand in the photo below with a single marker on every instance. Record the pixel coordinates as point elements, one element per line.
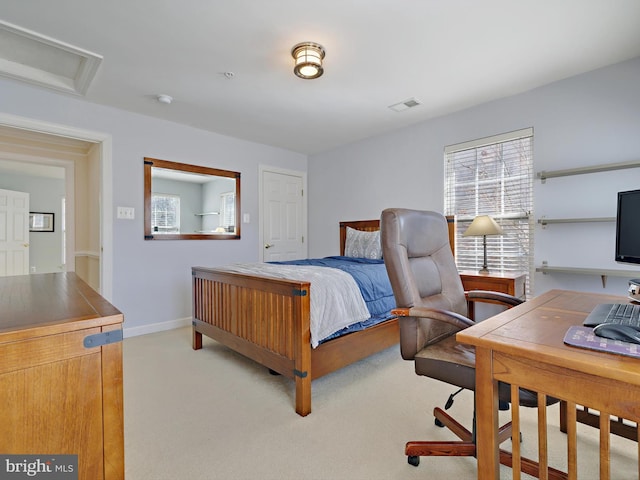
<point>511,283</point>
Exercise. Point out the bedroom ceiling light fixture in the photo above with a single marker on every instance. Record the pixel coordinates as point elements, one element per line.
<point>308,60</point>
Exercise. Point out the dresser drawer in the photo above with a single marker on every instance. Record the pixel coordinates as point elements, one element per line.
<point>512,284</point>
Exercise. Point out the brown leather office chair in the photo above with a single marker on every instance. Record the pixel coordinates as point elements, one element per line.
<point>432,307</point>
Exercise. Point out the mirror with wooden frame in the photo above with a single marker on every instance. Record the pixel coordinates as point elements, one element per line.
<point>190,202</point>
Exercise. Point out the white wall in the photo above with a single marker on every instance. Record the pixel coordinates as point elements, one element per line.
<point>589,119</point>
<point>152,279</point>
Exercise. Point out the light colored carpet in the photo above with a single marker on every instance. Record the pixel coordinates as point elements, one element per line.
<point>213,414</point>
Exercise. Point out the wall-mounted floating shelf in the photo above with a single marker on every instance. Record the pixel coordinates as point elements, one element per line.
<point>583,170</point>
<point>603,273</point>
<point>546,221</point>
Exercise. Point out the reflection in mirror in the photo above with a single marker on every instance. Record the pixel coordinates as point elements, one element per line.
<point>190,202</point>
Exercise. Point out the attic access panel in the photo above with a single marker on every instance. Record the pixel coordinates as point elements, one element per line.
<point>44,61</point>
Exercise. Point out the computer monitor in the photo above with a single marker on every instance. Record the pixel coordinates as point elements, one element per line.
<point>628,227</point>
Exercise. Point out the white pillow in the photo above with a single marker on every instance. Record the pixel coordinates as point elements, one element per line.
<point>362,244</point>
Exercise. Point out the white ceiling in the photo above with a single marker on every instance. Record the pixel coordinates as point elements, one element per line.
<point>448,54</point>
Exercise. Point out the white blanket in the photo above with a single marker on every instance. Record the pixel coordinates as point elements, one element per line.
<point>336,301</point>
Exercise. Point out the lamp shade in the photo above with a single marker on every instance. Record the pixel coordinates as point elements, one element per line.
<point>483,225</point>
<point>308,60</point>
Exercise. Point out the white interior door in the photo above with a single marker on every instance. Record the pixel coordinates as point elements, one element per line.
<point>14,233</point>
<point>283,218</point>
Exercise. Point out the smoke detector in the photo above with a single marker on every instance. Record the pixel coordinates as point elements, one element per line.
<point>166,99</point>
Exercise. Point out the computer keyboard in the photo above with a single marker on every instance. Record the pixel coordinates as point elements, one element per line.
<point>624,314</point>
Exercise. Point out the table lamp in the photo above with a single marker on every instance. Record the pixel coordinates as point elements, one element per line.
<point>483,225</point>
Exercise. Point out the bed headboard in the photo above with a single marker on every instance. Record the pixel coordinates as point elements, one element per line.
<point>373,225</point>
<point>364,225</point>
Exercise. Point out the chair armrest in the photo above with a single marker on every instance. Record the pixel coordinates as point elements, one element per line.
<point>412,337</point>
<point>446,316</point>
<point>493,297</point>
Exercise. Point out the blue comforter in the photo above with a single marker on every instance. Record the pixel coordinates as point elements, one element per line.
<point>370,275</point>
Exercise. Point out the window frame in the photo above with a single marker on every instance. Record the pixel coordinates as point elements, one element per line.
<point>228,209</point>
<point>513,251</point>
<point>174,228</point>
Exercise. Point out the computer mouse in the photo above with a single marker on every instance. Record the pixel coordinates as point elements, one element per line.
<point>615,331</point>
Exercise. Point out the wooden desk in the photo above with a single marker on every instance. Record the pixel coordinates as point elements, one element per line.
<point>60,384</point>
<point>524,347</point>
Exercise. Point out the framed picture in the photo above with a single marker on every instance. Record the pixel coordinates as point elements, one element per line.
<point>40,222</point>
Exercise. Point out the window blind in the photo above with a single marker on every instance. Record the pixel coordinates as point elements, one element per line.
<point>165,213</point>
<point>228,201</point>
<point>493,176</point>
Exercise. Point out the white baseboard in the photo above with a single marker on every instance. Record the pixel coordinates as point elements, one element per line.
<point>155,327</point>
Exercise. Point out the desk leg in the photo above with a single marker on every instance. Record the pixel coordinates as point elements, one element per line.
<point>487,446</point>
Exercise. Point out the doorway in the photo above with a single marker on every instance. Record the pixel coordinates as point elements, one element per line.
<point>41,143</point>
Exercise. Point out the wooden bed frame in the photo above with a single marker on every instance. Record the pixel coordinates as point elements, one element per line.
<point>267,320</point>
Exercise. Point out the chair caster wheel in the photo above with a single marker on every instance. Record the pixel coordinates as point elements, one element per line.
<point>503,406</point>
<point>438,423</point>
<point>413,460</point>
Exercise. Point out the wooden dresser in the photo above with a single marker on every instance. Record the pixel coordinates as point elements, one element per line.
<point>61,373</point>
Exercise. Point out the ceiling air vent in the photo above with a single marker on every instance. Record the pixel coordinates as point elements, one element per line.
<point>406,105</point>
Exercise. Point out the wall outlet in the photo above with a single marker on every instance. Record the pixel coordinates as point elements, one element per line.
<point>32,269</point>
<point>127,213</point>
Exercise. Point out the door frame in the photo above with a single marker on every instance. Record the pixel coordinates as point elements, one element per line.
<point>282,171</point>
<point>105,149</point>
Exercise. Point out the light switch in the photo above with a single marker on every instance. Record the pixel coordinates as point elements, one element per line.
<point>245,218</point>
<point>127,213</point>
